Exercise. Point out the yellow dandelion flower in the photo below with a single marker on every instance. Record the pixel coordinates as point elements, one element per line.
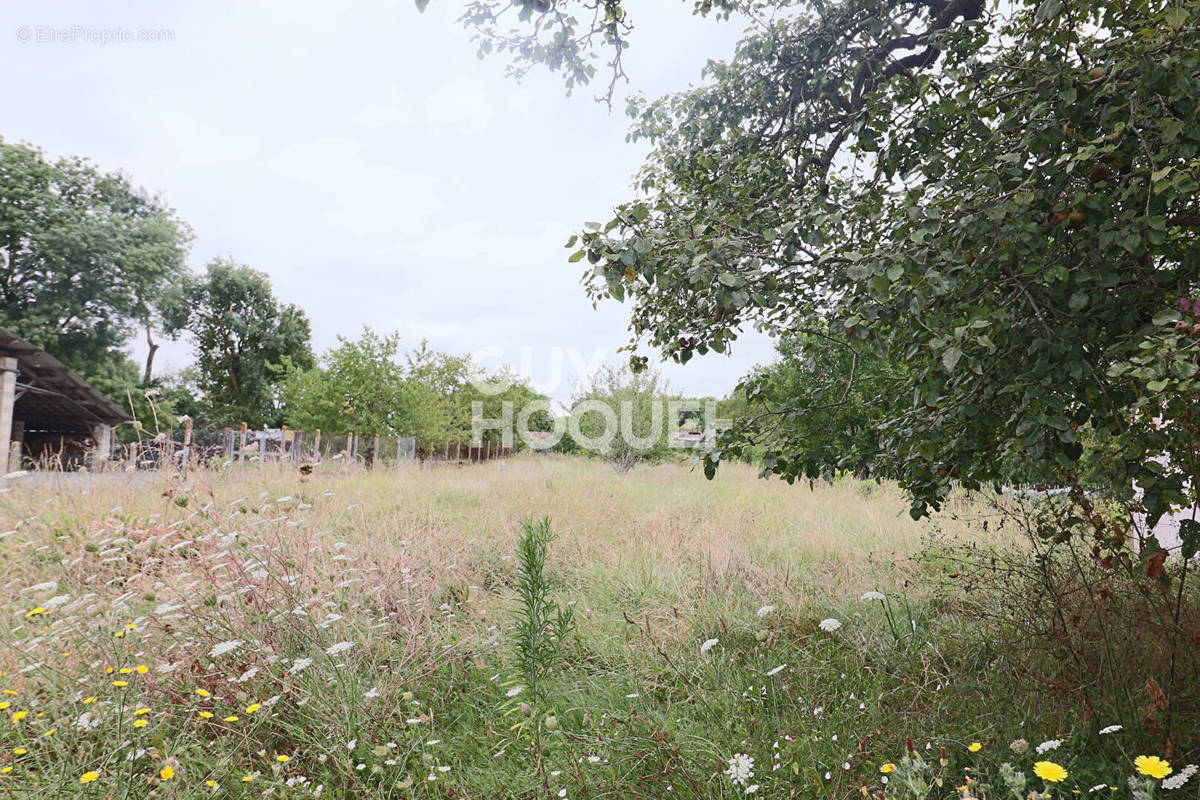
<point>1153,766</point>
<point>211,784</point>
<point>888,767</point>
<point>141,711</point>
<point>118,634</point>
<point>203,693</point>
<point>19,715</point>
<point>4,705</point>
<point>109,671</point>
<point>206,715</point>
<point>167,772</point>
<point>5,771</point>
<point>975,747</point>
<point>125,670</point>
<point>120,684</point>
<point>88,777</point>
<point>10,692</point>
<point>49,732</point>
<point>250,709</point>
<point>282,759</point>
<point>20,751</point>
<point>139,723</point>
<point>247,778</point>
<point>1049,771</point>
<point>142,669</point>
<point>87,700</point>
<point>231,718</point>
<point>35,612</point>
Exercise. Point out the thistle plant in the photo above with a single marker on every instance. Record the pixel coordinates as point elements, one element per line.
<point>540,625</point>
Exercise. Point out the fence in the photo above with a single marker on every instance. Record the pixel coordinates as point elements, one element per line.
<point>201,446</point>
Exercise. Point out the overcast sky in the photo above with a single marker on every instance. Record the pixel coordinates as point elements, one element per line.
<point>362,156</point>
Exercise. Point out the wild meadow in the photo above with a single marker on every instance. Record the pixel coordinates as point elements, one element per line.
<point>537,628</point>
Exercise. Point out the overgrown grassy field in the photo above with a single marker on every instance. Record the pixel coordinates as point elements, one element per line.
<point>348,634</point>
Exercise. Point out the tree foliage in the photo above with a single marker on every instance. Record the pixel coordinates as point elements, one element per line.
<point>85,258</point>
<point>626,413</point>
<point>244,339</point>
<point>1005,202</point>
<point>820,400</point>
<point>369,385</point>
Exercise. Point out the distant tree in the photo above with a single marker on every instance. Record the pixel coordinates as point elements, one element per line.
<point>85,259</point>
<point>244,339</point>
<point>369,385</point>
<point>356,388</point>
<point>636,427</point>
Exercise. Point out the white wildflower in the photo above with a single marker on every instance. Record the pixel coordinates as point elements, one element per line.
<point>340,647</point>
<point>752,788</point>
<point>829,625</point>
<point>776,670</point>
<point>871,595</point>
<point>1177,780</point>
<point>762,612</point>
<point>299,664</point>
<point>741,768</point>
<point>709,644</point>
<point>1048,745</point>
<point>222,648</point>
<point>514,691</point>
<point>1111,729</point>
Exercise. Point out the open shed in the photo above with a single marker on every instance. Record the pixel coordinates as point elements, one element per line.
<point>47,412</point>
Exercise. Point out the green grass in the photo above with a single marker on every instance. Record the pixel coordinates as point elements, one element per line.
<point>416,570</point>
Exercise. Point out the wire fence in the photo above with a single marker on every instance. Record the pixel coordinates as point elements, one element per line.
<point>223,447</point>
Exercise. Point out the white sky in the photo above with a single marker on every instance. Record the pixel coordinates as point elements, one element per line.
<point>362,156</point>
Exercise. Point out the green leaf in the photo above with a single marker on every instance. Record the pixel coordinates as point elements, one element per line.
<point>1189,535</point>
<point>950,358</point>
<point>1166,317</point>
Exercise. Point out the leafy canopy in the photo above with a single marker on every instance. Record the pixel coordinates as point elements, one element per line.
<point>369,385</point>
<point>85,257</point>
<point>1002,201</point>
<point>243,337</point>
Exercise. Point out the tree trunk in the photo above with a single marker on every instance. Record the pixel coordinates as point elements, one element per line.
<point>149,357</point>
